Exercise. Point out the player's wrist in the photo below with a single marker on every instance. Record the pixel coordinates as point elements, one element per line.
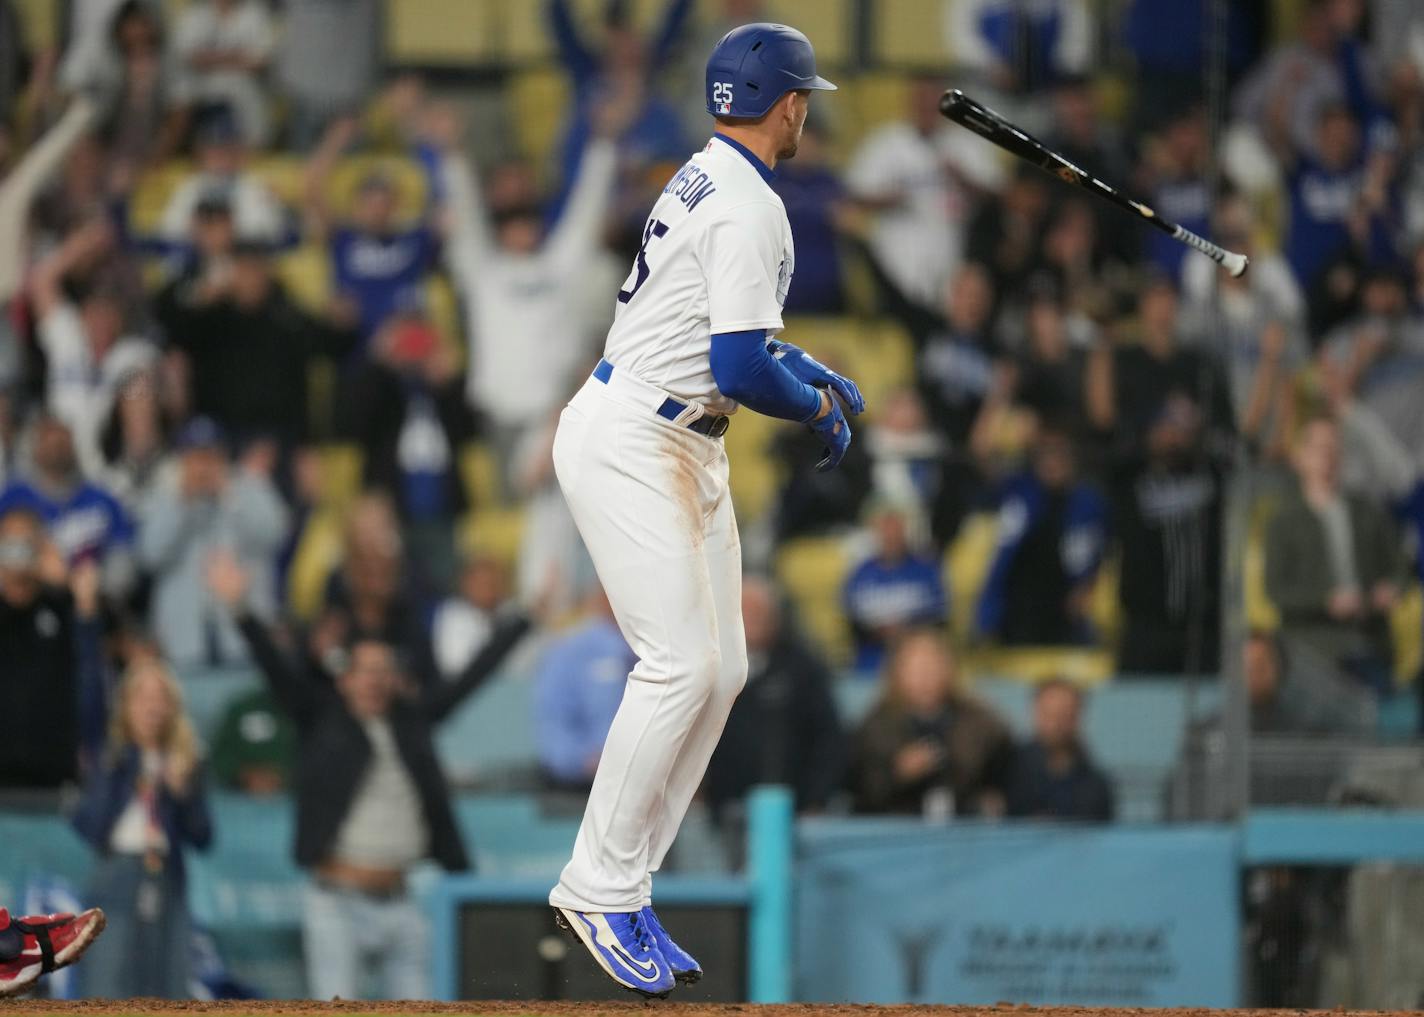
<point>825,407</point>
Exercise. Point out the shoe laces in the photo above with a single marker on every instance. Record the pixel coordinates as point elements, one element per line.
<point>642,935</point>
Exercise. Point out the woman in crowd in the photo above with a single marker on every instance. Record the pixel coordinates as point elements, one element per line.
<point>142,805</point>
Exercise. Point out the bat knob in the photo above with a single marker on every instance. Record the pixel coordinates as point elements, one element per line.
<point>1235,264</point>
<point>951,100</point>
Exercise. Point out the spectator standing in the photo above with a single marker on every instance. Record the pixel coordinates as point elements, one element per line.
<point>1175,172</point>
<point>526,343</point>
<point>648,129</point>
<point>124,61</point>
<point>141,808</point>
<point>378,263</point>
<point>1333,564</point>
<point>783,728</point>
<point>577,689</point>
<point>50,646</point>
<point>918,176</point>
<point>247,349</point>
<point>225,47</point>
<point>406,409</point>
<point>1053,531</point>
<point>1053,775</point>
<point>1167,509</point>
<point>893,590</point>
<point>86,351</point>
<point>201,508</point>
<point>907,462</point>
<point>1341,207</point>
<point>371,799</point>
<point>927,748</point>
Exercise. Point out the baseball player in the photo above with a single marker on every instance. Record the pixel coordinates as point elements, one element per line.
<point>639,456</point>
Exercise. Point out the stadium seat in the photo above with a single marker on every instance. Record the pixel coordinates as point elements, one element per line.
<point>539,108</point>
<point>39,21</point>
<point>151,194</point>
<point>813,570</point>
<point>909,33</point>
<point>966,566</point>
<point>1407,625</point>
<point>827,23</point>
<point>441,33</point>
<point>479,471</point>
<point>1034,664</point>
<point>755,475</point>
<point>306,273</point>
<point>496,531</point>
<point>283,175</point>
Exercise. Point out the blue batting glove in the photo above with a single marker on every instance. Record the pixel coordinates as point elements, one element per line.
<point>835,432</point>
<point>810,370</point>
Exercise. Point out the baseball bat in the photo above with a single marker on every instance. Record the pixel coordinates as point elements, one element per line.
<point>983,121</point>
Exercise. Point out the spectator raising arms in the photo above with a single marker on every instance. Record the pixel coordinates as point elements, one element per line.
<point>371,798</point>
<point>141,807</point>
<point>522,321</point>
<point>927,747</point>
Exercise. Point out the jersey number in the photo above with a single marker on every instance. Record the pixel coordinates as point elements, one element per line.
<point>655,228</point>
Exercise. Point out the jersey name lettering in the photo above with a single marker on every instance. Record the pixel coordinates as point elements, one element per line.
<point>690,185</point>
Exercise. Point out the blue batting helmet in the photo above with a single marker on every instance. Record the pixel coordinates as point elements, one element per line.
<point>755,65</point>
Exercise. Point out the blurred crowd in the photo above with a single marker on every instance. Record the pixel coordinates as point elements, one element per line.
<point>203,466</point>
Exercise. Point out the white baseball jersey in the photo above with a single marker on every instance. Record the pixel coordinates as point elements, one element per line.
<point>716,257</point>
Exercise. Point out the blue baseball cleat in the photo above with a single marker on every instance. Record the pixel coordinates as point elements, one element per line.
<point>684,966</point>
<point>624,946</point>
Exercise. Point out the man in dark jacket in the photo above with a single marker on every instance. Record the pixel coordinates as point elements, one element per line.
<point>783,728</point>
<point>40,677</point>
<point>371,798</point>
<point>1053,776</point>
<point>248,347</point>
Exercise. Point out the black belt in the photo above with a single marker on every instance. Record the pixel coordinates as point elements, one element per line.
<point>711,425</point>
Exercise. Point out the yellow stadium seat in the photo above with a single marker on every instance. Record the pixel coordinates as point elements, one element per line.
<point>479,471</point>
<point>443,310</point>
<point>910,33</point>
<point>1105,610</point>
<point>317,553</point>
<point>1039,664</point>
<point>39,21</point>
<point>493,531</point>
<point>306,273</point>
<point>755,475</point>
<point>967,564</point>
<point>151,194</point>
<point>1407,626</point>
<point>827,23</point>
<point>442,32</point>
<point>283,176</point>
<point>1260,612</point>
<point>813,570</point>
<point>341,466</point>
<point>539,101</point>
<point>865,102</point>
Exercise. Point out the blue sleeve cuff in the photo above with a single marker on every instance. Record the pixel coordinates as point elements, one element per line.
<point>746,371</point>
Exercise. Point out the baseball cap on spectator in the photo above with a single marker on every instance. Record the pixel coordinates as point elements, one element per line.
<point>218,128</point>
<point>201,433</point>
<point>214,201</point>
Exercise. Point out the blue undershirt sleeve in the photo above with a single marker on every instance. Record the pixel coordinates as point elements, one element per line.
<point>745,370</point>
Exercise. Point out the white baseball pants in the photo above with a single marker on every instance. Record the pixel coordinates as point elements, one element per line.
<point>650,499</point>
